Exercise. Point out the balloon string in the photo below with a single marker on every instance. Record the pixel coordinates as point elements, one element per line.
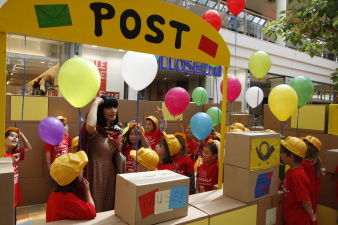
<point>217,104</point>
<point>80,122</point>
<point>23,86</point>
<point>297,134</point>
<point>235,45</point>
<point>144,100</point>
<point>137,119</point>
<point>281,128</point>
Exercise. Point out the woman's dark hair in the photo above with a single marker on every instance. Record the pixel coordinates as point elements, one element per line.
<point>182,142</point>
<point>71,187</point>
<point>312,155</point>
<point>109,102</point>
<point>6,136</point>
<point>126,140</point>
<point>167,157</point>
<point>298,159</point>
<point>212,147</point>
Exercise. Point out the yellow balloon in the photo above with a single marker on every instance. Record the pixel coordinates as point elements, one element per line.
<point>79,81</point>
<point>259,64</point>
<point>283,101</point>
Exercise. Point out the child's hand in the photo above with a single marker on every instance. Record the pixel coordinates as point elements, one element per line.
<point>15,158</point>
<point>159,111</point>
<point>179,120</point>
<point>99,101</point>
<point>85,184</point>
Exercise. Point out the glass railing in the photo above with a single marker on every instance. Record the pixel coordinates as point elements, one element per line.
<point>247,22</point>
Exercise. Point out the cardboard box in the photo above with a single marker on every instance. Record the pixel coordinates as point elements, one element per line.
<point>271,122</point>
<point>206,197</point>
<point>151,197</point>
<point>333,119</point>
<point>331,160</point>
<point>6,191</point>
<point>270,210</point>
<point>102,218</point>
<point>230,210</point>
<point>312,118</point>
<point>241,118</point>
<point>327,195</point>
<point>326,215</point>
<point>195,216</point>
<point>248,186</point>
<point>252,150</point>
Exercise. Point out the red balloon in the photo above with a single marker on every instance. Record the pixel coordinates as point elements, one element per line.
<point>214,18</point>
<point>234,88</point>
<point>177,100</point>
<point>235,6</point>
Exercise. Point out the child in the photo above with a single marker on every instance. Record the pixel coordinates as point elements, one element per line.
<point>13,150</point>
<point>167,147</point>
<point>53,152</point>
<point>129,143</point>
<point>313,168</point>
<point>182,163</point>
<point>191,144</point>
<point>207,173</point>
<point>75,143</point>
<point>297,208</point>
<point>147,159</point>
<point>67,171</point>
<point>153,134</point>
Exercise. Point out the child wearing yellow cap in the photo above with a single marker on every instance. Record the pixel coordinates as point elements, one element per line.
<point>168,147</point>
<point>153,132</point>
<point>147,159</point>
<point>67,171</point>
<point>297,208</point>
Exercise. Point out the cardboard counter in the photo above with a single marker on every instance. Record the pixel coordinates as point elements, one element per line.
<point>194,217</point>
<point>205,197</point>
<point>6,191</point>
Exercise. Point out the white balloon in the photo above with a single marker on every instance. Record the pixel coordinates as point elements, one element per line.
<point>138,69</point>
<point>254,96</point>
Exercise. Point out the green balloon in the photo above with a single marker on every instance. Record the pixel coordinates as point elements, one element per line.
<point>259,64</point>
<point>215,114</point>
<point>199,96</point>
<point>214,66</point>
<point>304,89</point>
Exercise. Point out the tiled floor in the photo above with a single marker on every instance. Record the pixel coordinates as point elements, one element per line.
<point>31,214</point>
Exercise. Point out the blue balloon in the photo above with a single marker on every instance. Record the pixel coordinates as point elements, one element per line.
<point>201,125</point>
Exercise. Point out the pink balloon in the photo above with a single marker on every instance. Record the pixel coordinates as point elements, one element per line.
<point>214,18</point>
<point>236,6</point>
<point>234,88</point>
<point>177,100</point>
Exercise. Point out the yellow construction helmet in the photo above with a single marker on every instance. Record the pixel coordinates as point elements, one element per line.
<point>133,124</point>
<point>63,119</point>
<point>295,145</point>
<point>217,136</point>
<point>183,135</point>
<point>146,157</point>
<point>236,130</point>
<point>198,162</point>
<point>315,141</point>
<point>75,141</point>
<point>153,118</point>
<point>173,143</point>
<point>237,126</point>
<point>271,131</point>
<point>68,166</point>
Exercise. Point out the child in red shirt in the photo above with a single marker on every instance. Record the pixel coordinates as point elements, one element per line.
<point>53,152</point>
<point>147,159</point>
<point>207,172</point>
<point>153,134</point>
<point>129,143</point>
<point>13,150</point>
<point>182,163</point>
<point>67,171</point>
<point>167,147</point>
<point>297,208</point>
<point>313,168</point>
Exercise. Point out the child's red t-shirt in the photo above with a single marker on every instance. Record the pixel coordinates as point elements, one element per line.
<point>17,190</point>
<point>162,166</point>
<point>183,165</point>
<point>130,161</point>
<point>314,188</point>
<point>153,138</point>
<point>296,188</point>
<point>61,149</point>
<point>191,146</point>
<point>207,177</point>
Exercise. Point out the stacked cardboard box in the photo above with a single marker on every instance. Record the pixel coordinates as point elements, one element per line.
<point>251,165</point>
<point>6,191</point>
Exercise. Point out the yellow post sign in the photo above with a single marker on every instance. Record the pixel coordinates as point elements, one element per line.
<point>264,153</point>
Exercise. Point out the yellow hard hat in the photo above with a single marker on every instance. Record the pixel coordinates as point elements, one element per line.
<point>133,124</point>
<point>68,166</point>
<point>238,126</point>
<point>124,131</point>
<point>75,141</point>
<point>63,119</point>
<point>198,162</point>
<point>183,135</point>
<point>173,143</point>
<point>271,131</point>
<point>295,145</point>
<point>315,141</point>
<point>153,118</point>
<point>246,129</point>
<point>146,157</point>
<point>217,136</point>
<point>236,130</point>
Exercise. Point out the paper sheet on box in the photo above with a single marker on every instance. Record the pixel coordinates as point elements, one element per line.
<point>270,218</point>
<point>178,197</point>
<point>162,199</point>
<point>147,203</point>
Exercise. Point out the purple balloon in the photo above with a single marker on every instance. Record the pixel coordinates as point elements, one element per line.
<point>51,130</point>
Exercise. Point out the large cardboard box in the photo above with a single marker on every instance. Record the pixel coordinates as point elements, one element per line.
<point>252,150</point>
<point>248,186</point>
<point>207,196</point>
<point>151,197</point>
<point>241,118</point>
<point>270,210</point>
<point>6,191</point>
<point>327,195</point>
<point>270,121</point>
<point>229,211</point>
<point>333,119</point>
<point>331,160</point>
<point>311,118</point>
